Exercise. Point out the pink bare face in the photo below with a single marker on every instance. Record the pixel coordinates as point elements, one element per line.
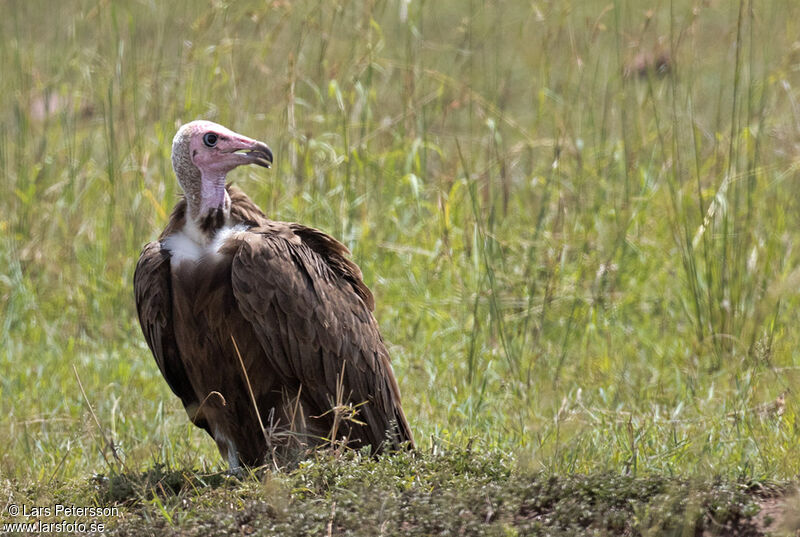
<point>215,150</point>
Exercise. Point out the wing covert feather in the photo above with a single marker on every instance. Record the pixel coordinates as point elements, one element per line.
<point>153,289</point>
<point>312,317</point>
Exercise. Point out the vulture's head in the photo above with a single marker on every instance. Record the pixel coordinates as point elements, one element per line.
<point>203,153</point>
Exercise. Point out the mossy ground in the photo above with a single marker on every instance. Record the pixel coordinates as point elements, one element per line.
<point>439,492</point>
<point>442,492</point>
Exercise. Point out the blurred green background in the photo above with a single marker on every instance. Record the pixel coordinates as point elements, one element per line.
<point>579,219</point>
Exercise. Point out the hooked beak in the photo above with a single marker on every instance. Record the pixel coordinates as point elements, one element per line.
<point>259,153</point>
<point>249,151</point>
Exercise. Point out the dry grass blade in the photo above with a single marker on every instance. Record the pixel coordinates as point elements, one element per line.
<point>108,442</point>
<point>252,396</point>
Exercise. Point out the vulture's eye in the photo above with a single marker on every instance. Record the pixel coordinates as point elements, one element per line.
<point>210,139</point>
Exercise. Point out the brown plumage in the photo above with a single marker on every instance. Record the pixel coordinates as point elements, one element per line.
<point>223,276</point>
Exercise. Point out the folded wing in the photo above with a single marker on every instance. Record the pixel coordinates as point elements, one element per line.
<point>311,313</point>
<point>153,290</point>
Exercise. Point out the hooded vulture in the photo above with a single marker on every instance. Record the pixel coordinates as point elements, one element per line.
<point>263,329</point>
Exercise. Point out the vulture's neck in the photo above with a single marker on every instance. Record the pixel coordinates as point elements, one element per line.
<point>196,235</point>
<point>208,209</point>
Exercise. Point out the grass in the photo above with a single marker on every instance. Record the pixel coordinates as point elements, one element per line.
<point>443,491</point>
<point>457,492</point>
<point>593,272</point>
